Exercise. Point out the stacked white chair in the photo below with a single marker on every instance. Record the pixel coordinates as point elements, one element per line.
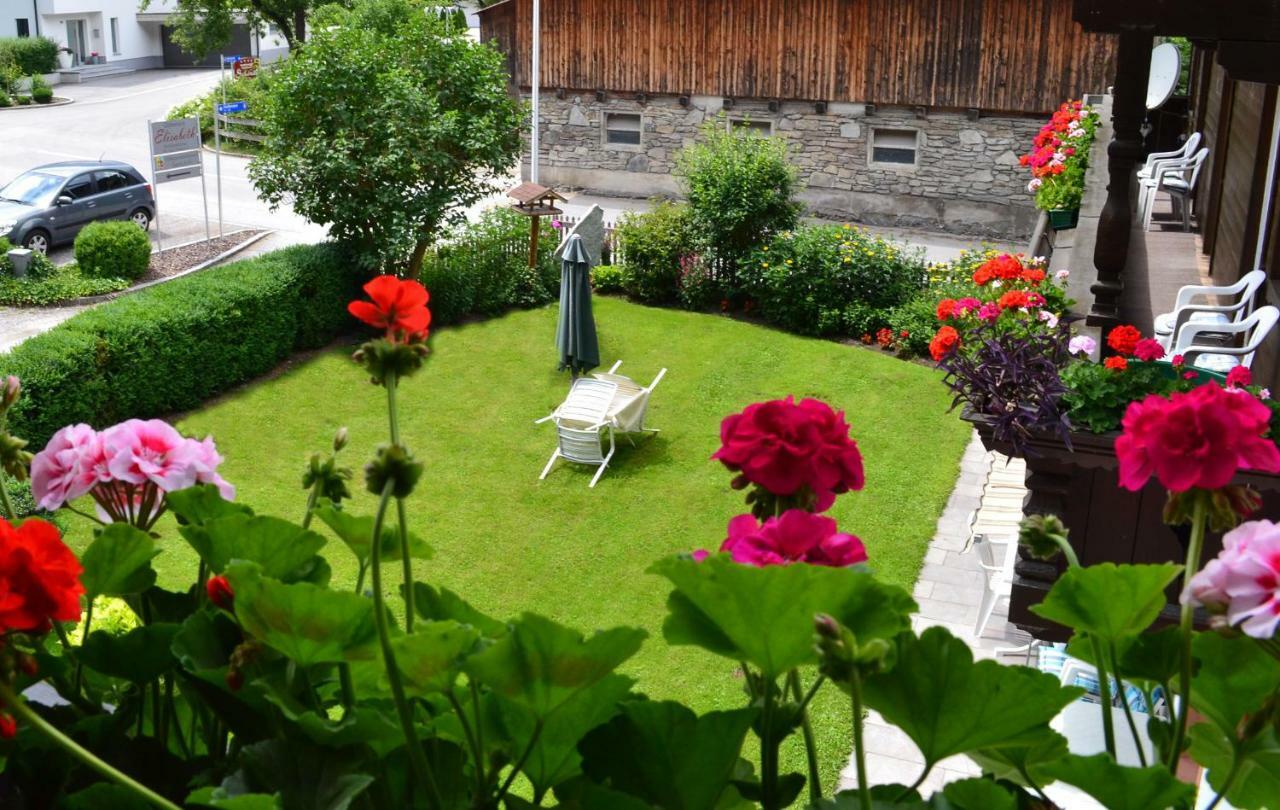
<point>1178,179</point>
<point>1193,306</point>
<point>1199,351</point>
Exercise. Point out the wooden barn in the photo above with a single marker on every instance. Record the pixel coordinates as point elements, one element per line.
<point>908,112</point>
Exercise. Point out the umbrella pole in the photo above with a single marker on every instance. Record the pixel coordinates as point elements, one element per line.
<point>533,243</point>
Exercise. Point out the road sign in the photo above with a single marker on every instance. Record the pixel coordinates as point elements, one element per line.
<point>177,167</point>
<point>232,107</point>
<point>246,67</point>
<point>230,60</point>
<point>168,137</point>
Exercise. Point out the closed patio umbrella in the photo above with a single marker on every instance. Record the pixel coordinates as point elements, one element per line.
<point>576,330</point>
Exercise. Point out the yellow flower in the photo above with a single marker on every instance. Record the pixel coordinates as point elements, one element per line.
<point>765,265</point>
<point>788,261</point>
<point>847,226</point>
<point>765,248</point>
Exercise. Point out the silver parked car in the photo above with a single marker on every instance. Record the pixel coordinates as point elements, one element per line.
<point>49,205</point>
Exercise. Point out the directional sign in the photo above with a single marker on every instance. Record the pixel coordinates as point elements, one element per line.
<point>230,60</point>
<point>232,107</point>
<point>168,137</point>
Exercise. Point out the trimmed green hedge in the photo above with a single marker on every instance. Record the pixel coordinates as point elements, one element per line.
<point>117,249</point>
<point>30,54</point>
<point>171,347</point>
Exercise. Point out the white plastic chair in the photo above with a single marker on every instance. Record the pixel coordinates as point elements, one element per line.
<point>1178,178</point>
<point>579,421</point>
<point>1222,358</point>
<point>996,557</point>
<point>1181,153</point>
<point>1186,310</point>
<point>631,403</point>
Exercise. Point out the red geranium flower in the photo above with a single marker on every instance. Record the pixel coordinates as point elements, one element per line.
<point>783,446</point>
<point>1013,299</point>
<point>946,309</point>
<point>220,593</point>
<point>1116,364</point>
<point>1033,276</point>
<point>1148,349</point>
<point>983,275</point>
<point>944,342</point>
<point>1195,439</point>
<point>39,578</point>
<point>399,306</point>
<point>1124,339</point>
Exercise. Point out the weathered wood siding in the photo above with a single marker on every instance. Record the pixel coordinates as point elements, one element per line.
<point>1021,56</point>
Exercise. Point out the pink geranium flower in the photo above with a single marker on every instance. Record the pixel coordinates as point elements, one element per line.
<point>1244,580</point>
<point>205,460</point>
<point>795,536</point>
<point>989,312</point>
<point>140,451</point>
<point>1239,377</point>
<point>63,470</point>
<point>1196,439</point>
<point>784,445</point>
<point>967,305</point>
<point>1148,350</point>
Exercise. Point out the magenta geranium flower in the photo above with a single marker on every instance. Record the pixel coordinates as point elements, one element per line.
<point>1148,349</point>
<point>783,446</point>
<point>1243,581</point>
<point>140,451</point>
<point>1197,439</point>
<point>795,536</point>
<point>63,470</point>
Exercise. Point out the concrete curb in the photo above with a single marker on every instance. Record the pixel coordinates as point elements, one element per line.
<point>221,257</point>
<point>58,101</point>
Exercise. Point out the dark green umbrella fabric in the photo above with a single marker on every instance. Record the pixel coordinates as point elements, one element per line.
<point>576,331</point>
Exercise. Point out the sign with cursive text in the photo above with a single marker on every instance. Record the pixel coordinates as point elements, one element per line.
<point>168,137</point>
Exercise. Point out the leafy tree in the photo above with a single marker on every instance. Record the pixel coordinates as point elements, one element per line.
<point>385,127</point>
<point>204,26</point>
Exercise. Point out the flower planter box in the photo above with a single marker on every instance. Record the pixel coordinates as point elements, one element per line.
<point>1106,523</point>
<point>1064,220</point>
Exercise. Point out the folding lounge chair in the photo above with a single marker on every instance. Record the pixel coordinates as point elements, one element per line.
<point>632,402</point>
<point>579,421</point>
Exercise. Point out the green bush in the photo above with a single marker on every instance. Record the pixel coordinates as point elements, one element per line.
<point>54,286</point>
<point>652,246</point>
<point>5,101</point>
<point>40,266</point>
<point>254,91</point>
<point>170,347</point>
<point>24,505</point>
<point>740,188</point>
<point>40,89</point>
<point>23,101</point>
<point>609,278</point>
<point>830,280</point>
<point>113,250</point>
<point>483,268</point>
<point>30,54</point>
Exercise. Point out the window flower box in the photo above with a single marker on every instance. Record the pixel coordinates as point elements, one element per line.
<point>1064,220</point>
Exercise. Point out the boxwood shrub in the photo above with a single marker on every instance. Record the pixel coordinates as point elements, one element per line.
<point>29,54</point>
<point>171,347</point>
<point>113,250</point>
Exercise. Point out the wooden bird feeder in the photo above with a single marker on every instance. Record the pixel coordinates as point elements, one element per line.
<point>534,201</point>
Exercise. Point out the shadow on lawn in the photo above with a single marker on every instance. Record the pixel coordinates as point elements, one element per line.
<point>652,450</point>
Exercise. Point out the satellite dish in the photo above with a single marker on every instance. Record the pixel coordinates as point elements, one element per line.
<point>1166,65</point>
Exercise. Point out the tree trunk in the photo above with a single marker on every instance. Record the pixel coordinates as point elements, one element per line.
<point>299,28</point>
<point>414,271</point>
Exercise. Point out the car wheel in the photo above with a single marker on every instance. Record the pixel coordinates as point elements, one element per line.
<point>141,218</point>
<point>38,241</point>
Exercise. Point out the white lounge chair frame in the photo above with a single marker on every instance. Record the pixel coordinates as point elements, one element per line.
<point>1186,310</point>
<point>579,421</point>
<point>1172,177</point>
<point>1254,328</point>
<point>637,424</point>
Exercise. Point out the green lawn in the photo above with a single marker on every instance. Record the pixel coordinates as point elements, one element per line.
<point>511,543</point>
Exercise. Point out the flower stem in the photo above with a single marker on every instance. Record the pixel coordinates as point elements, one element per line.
<point>864,790</point>
<point>1124,701</point>
<point>1104,696</point>
<point>23,711</point>
<point>1199,517</point>
<point>311,504</point>
<point>406,563</point>
<point>417,759</point>
<point>810,746</point>
<point>1230,781</point>
<point>10,513</point>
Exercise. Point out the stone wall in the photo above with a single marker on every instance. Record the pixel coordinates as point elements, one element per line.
<point>966,178</point>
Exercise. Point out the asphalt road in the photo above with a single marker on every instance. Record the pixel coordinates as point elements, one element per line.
<point>109,121</point>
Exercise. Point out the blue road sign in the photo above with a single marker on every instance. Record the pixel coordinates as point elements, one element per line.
<point>232,107</point>
<point>229,60</point>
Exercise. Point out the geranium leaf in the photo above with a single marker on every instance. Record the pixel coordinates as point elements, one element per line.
<point>542,664</point>
<point>1118,787</point>
<point>307,623</point>
<point>429,660</point>
<point>118,562</point>
<point>140,655</point>
<point>1257,785</point>
<point>665,754</point>
<point>282,549</point>
<point>217,798</point>
<point>554,757</point>
<point>948,704</point>
<point>974,794</point>
<point>444,604</point>
<point>765,615</point>
<point>1110,601</point>
<point>105,796</point>
<point>356,532</point>
<point>304,776</point>
<point>1233,679</point>
<point>1023,763</point>
<point>202,503</point>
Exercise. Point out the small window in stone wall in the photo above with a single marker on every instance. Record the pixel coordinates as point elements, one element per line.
<point>749,127</point>
<point>623,129</point>
<point>895,146</point>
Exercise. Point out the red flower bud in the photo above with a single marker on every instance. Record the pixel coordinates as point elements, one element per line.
<point>8,727</point>
<point>220,593</point>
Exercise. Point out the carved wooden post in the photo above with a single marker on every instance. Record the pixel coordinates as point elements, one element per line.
<point>1124,153</point>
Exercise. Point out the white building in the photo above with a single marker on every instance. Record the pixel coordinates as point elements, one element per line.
<point>116,33</point>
